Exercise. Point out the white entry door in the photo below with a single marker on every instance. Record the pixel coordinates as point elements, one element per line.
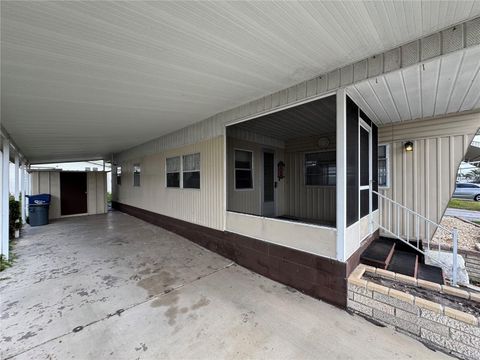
<point>268,186</point>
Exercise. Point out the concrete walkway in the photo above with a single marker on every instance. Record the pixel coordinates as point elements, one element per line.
<point>114,287</point>
<point>463,214</point>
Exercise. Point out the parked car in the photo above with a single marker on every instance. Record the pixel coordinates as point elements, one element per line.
<point>467,191</point>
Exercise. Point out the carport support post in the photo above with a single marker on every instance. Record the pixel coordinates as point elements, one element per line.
<point>16,182</point>
<point>23,180</point>
<point>5,189</point>
<point>341,172</point>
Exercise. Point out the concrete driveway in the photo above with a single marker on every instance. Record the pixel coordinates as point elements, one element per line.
<point>114,287</point>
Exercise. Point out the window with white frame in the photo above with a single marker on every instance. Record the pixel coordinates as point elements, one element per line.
<point>243,169</point>
<point>383,159</point>
<point>136,175</point>
<point>173,172</point>
<point>119,175</point>
<point>191,171</point>
<point>321,168</point>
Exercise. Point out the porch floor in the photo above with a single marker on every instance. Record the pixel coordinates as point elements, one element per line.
<point>113,286</point>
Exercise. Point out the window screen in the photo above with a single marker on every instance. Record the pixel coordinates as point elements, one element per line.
<point>173,172</point>
<point>382,165</point>
<point>320,168</point>
<point>243,169</point>
<point>119,175</point>
<point>191,171</point>
<point>136,175</point>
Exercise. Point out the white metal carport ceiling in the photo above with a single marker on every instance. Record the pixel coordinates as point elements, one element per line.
<point>445,85</point>
<point>81,80</point>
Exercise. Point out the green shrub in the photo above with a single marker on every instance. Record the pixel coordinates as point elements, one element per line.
<point>15,222</point>
<point>4,263</point>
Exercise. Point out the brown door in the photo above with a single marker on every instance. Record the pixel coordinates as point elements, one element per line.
<point>73,193</point>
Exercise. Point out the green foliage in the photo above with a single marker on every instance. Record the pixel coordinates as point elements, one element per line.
<point>15,221</point>
<point>464,204</point>
<point>109,197</point>
<point>4,263</point>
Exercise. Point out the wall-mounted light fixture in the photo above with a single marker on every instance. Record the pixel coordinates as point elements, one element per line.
<point>408,146</point>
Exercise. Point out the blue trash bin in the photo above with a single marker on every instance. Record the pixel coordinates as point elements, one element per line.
<point>38,206</point>
<point>39,199</point>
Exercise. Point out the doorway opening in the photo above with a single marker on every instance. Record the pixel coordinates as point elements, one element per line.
<point>73,193</point>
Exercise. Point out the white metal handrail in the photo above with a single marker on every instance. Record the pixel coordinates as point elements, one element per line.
<point>420,228</point>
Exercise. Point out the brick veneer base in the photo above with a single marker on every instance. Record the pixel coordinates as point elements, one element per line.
<point>450,330</point>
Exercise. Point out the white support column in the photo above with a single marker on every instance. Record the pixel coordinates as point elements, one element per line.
<point>4,198</point>
<point>16,187</point>
<point>23,181</point>
<point>1,199</point>
<point>341,187</point>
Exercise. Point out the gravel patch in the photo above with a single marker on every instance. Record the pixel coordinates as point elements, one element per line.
<point>468,233</point>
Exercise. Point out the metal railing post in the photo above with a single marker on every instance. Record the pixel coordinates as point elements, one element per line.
<point>454,262</point>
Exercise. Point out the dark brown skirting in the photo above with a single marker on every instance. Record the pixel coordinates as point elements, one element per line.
<point>319,277</point>
<point>354,259</point>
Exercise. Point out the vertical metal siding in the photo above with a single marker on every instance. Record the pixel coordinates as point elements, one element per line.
<point>49,182</point>
<point>202,206</point>
<point>309,202</point>
<point>424,179</point>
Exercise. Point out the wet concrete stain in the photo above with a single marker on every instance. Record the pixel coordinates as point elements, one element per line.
<point>165,301</point>
<point>171,314</point>
<point>200,303</point>
<point>157,283</point>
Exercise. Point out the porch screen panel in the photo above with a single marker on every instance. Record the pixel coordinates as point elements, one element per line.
<point>364,172</point>
<point>352,162</point>
<point>374,165</point>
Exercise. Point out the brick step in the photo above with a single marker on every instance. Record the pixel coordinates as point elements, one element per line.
<point>378,253</point>
<point>403,262</point>
<point>431,273</point>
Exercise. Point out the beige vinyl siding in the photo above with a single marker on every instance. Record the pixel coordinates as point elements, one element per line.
<point>48,182</point>
<point>96,192</point>
<point>202,206</point>
<point>424,179</point>
<point>308,202</point>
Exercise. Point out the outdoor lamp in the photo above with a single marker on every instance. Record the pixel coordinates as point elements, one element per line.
<point>408,146</point>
